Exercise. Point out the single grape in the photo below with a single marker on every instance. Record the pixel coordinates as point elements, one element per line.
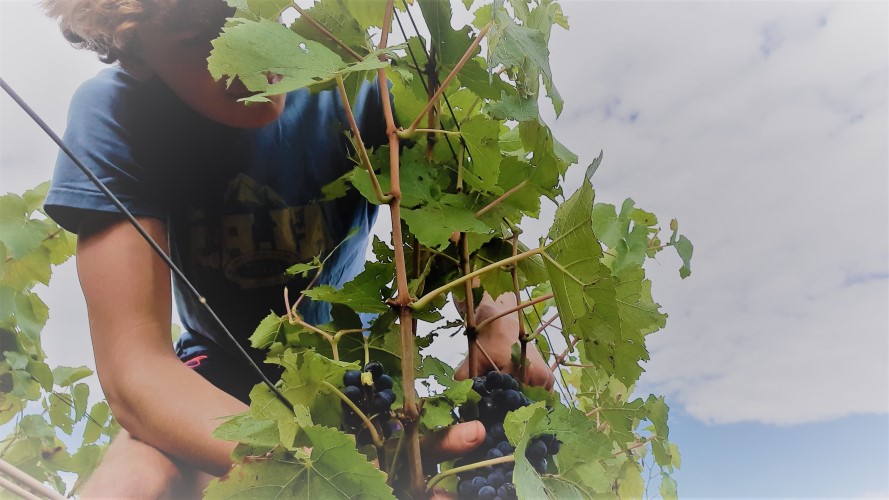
<point>487,493</point>
<point>505,448</point>
<point>493,453</point>
<point>513,399</point>
<point>375,368</point>
<point>354,394</point>
<point>497,432</point>
<point>352,378</point>
<point>536,450</point>
<point>385,382</point>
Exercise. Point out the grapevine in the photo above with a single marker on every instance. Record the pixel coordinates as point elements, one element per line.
<point>466,161</point>
<point>467,158</point>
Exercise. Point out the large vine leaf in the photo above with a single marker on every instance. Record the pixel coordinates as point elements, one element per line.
<point>250,50</point>
<point>325,464</point>
<point>367,292</point>
<point>578,472</point>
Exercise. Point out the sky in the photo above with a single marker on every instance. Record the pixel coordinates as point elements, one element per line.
<point>763,127</point>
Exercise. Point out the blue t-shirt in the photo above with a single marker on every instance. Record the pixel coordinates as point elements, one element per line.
<point>241,205</point>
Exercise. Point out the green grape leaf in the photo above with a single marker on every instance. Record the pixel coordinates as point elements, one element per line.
<point>449,44</point>
<point>513,107</point>
<point>304,269</point>
<point>582,446</point>
<point>668,487</point>
<point>250,50</point>
<point>260,9</point>
<point>34,267</point>
<point>474,76</point>
<point>630,482</point>
<point>367,292</point>
<point>244,428</point>
<point>60,414</point>
<point>303,384</point>
<point>268,331</point>
<point>684,248</point>
<point>319,473</point>
<point>41,373</point>
<point>583,287</point>
<point>64,376</point>
<point>482,137</point>
<point>438,410</point>
<point>657,414</point>
<point>516,46</point>
<point>337,18</point>
<point>433,224</point>
<point>98,413</point>
<point>80,397</point>
<point>19,232</point>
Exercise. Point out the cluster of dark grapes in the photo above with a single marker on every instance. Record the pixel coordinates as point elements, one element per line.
<point>371,391</point>
<point>500,394</point>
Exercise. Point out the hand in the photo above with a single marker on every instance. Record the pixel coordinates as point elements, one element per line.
<point>495,342</point>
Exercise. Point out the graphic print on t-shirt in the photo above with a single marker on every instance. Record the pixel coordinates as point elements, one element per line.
<point>256,236</point>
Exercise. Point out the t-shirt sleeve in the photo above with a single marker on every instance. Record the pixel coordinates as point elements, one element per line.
<point>100,135</point>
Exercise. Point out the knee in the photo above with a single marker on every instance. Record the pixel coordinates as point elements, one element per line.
<point>133,469</point>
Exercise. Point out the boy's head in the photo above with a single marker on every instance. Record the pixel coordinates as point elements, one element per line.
<point>169,39</point>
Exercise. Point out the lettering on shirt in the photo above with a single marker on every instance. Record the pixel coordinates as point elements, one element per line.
<point>256,236</point>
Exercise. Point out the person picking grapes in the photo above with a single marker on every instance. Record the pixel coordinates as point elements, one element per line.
<point>230,192</point>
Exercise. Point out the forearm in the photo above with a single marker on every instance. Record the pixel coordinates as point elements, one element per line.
<point>167,405</point>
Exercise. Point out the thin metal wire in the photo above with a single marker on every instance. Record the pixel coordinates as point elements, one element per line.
<point>153,244</point>
<point>426,87</point>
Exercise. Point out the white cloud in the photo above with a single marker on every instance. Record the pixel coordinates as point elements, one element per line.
<point>775,165</point>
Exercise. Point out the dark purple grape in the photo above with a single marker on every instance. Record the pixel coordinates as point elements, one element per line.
<point>375,368</point>
<point>505,448</point>
<point>477,483</point>
<point>539,465</point>
<point>493,381</point>
<point>354,394</point>
<point>493,453</point>
<point>385,382</point>
<point>496,478</point>
<point>389,394</point>
<point>352,378</point>
<point>487,493</point>
<point>536,450</point>
<point>507,490</point>
<point>478,385</point>
<point>496,431</point>
<point>465,489</point>
<point>381,403</point>
<point>513,400</point>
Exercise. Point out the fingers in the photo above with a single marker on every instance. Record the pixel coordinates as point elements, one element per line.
<point>453,442</point>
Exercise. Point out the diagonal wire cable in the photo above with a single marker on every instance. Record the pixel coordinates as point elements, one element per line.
<point>423,80</point>
<point>157,249</point>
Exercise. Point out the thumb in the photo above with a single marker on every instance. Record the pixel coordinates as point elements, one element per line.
<point>454,441</point>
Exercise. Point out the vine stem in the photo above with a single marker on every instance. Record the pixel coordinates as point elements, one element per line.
<point>634,446</point>
<point>367,423</point>
<point>546,324</point>
<point>456,470</point>
<point>424,301</point>
<point>447,80</point>
<point>471,328</point>
<point>403,298</point>
<point>318,26</point>
<point>502,197</point>
<point>362,151</point>
<point>34,485</point>
<point>561,357</point>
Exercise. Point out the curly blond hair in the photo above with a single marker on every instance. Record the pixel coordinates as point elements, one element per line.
<point>106,27</point>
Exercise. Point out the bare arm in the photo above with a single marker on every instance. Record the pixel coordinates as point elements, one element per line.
<point>153,395</point>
